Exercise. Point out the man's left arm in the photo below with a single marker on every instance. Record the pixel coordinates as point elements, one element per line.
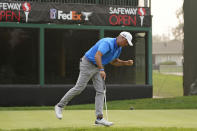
<point>118,62</point>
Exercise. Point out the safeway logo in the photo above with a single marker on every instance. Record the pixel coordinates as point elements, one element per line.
<point>72,15</point>
<point>26,8</point>
<point>122,16</point>
<point>10,12</point>
<point>126,16</point>
<point>142,13</point>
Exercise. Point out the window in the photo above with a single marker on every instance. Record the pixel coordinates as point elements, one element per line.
<point>65,47</point>
<point>63,50</point>
<point>135,74</point>
<point>19,56</point>
<point>140,59</point>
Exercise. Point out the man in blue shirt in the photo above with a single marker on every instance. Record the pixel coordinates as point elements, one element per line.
<point>106,50</point>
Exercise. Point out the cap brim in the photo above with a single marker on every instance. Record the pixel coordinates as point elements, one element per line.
<point>130,43</point>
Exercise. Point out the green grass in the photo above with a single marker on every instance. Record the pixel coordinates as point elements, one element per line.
<point>162,114</point>
<point>167,85</point>
<point>184,102</point>
<point>171,68</point>
<point>84,119</point>
<point>108,129</point>
<point>81,117</point>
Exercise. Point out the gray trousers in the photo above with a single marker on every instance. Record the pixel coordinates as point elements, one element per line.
<point>87,71</point>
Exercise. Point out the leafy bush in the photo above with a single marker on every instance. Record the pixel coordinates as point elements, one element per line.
<point>168,63</point>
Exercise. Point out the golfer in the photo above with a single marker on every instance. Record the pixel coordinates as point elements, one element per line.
<point>106,50</point>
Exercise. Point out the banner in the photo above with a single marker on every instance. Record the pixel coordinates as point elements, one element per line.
<point>99,15</point>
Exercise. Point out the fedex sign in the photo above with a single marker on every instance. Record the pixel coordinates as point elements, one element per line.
<point>72,15</point>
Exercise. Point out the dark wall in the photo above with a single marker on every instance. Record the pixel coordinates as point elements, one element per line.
<point>42,96</point>
<point>190,44</point>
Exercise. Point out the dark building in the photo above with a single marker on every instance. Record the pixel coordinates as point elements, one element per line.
<point>42,41</point>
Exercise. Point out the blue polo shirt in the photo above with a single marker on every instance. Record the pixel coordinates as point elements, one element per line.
<point>108,47</point>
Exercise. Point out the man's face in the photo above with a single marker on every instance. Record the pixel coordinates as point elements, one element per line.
<point>123,42</point>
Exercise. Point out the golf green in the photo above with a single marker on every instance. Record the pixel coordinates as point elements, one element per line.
<point>26,119</point>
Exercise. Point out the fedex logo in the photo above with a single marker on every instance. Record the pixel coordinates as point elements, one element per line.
<point>72,15</point>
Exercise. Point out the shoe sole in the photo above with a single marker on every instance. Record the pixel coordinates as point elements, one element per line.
<point>98,125</point>
<point>102,125</point>
<point>57,116</point>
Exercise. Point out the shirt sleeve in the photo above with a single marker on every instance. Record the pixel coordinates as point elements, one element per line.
<point>104,47</point>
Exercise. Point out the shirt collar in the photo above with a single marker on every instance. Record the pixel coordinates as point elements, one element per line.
<point>115,43</point>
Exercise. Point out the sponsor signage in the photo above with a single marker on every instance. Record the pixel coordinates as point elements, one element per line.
<point>34,12</point>
<point>71,15</point>
<point>129,16</point>
<point>13,12</point>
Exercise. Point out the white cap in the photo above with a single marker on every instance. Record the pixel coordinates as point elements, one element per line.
<point>127,36</point>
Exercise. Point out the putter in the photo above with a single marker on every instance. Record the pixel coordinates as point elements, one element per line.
<point>105,99</point>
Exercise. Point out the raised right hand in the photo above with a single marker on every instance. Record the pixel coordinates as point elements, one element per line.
<point>103,74</point>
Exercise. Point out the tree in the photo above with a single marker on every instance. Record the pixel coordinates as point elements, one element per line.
<point>157,38</point>
<point>160,38</point>
<point>178,31</point>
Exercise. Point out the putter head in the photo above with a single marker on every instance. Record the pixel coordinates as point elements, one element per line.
<point>131,108</point>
